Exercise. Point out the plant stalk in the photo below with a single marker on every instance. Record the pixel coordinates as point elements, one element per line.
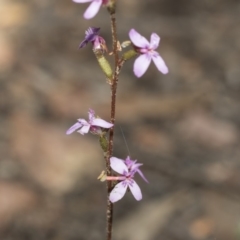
<point>114,83</point>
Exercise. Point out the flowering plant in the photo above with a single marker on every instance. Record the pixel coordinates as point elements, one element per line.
<point>117,185</point>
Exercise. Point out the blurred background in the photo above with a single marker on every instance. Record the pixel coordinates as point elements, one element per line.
<point>183,126</point>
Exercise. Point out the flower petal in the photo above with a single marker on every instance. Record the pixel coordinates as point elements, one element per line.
<point>83,44</point>
<point>134,166</point>
<point>141,65</point>
<point>91,115</point>
<point>81,1</point>
<point>160,64</point>
<point>129,162</point>
<point>92,30</point>
<point>154,41</point>
<point>118,165</point>
<point>137,39</point>
<point>83,121</point>
<point>84,129</point>
<point>73,128</point>
<point>101,123</point>
<point>135,189</point>
<point>141,174</point>
<point>118,192</point>
<point>93,9</point>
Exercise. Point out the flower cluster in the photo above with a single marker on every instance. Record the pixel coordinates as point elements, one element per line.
<point>141,45</point>
<point>127,169</point>
<point>147,52</point>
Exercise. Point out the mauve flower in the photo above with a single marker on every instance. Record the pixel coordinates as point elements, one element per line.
<point>93,8</point>
<point>93,124</point>
<point>127,169</point>
<point>147,53</point>
<point>91,35</point>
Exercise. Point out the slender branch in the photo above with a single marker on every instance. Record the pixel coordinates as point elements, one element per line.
<point>111,133</point>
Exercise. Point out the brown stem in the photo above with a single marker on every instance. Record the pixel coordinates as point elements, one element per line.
<point>111,133</point>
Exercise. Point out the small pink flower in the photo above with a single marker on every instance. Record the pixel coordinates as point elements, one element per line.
<point>148,53</point>
<point>93,124</point>
<point>127,169</point>
<point>94,7</point>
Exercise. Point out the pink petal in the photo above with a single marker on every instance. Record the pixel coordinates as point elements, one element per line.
<point>135,165</point>
<point>135,189</point>
<point>84,129</point>
<point>91,114</point>
<point>141,174</point>
<point>81,1</point>
<point>118,165</point>
<point>154,41</point>
<point>118,192</point>
<point>83,121</point>
<point>101,123</point>
<point>93,9</point>
<point>141,64</point>
<point>137,39</point>
<point>160,64</point>
<point>73,128</point>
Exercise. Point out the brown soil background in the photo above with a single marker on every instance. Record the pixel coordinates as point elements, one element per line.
<point>183,126</point>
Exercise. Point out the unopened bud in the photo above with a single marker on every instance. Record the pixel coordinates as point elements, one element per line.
<point>103,62</point>
<point>111,6</point>
<point>129,54</point>
<point>103,142</point>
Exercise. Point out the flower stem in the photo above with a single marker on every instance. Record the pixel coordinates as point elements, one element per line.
<point>111,132</point>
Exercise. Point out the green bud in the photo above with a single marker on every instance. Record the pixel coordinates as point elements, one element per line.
<point>111,6</point>
<point>103,143</point>
<point>129,54</point>
<point>103,62</point>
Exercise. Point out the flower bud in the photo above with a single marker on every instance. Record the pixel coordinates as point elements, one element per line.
<point>103,143</point>
<point>111,6</point>
<point>129,54</point>
<point>103,62</point>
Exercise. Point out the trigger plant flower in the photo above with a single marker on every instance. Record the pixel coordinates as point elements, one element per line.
<point>92,35</point>
<point>147,53</point>
<point>93,8</point>
<point>127,169</point>
<point>93,125</point>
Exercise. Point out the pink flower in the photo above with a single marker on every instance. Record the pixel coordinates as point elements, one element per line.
<point>127,169</point>
<point>93,124</point>
<point>94,7</point>
<point>148,53</point>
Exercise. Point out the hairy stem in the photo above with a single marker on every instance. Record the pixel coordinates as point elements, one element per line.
<point>111,132</point>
